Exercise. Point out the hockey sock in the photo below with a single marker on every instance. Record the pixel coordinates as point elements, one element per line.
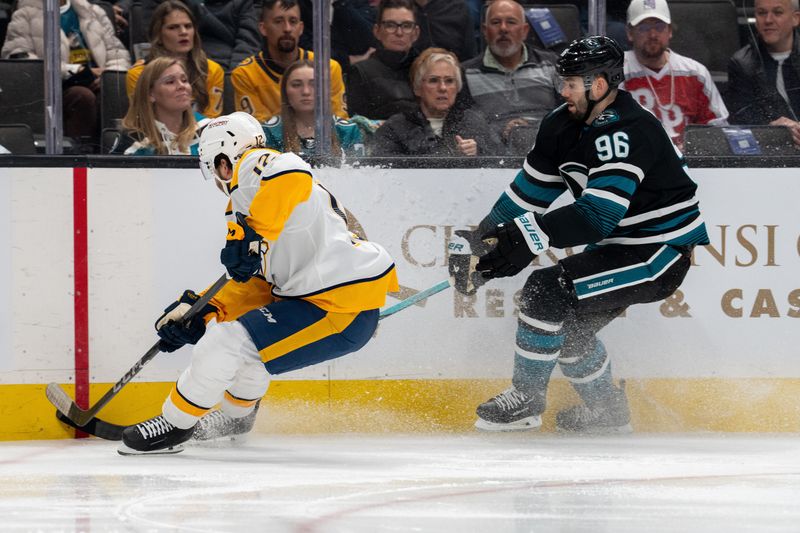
<point>537,349</point>
<point>589,374</point>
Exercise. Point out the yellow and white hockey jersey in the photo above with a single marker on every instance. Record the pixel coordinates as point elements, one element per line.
<point>257,86</point>
<point>310,253</point>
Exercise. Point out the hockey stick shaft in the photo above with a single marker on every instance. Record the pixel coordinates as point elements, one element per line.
<point>411,300</point>
<point>81,417</point>
<point>107,430</point>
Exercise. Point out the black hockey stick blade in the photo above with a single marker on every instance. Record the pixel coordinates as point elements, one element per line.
<point>82,417</point>
<point>95,426</point>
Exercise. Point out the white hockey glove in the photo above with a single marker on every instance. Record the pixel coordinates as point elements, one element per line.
<point>465,250</point>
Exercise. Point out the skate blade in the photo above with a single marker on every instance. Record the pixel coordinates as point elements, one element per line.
<point>524,424</point>
<point>612,430</point>
<point>125,450</point>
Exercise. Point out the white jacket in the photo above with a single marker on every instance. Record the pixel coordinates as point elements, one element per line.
<point>25,34</point>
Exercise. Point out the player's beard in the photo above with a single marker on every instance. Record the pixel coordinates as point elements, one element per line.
<point>287,45</point>
<point>579,110</point>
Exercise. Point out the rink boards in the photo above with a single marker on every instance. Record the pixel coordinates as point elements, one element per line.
<point>95,254</point>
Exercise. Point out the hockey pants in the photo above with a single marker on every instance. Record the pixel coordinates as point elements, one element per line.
<point>232,363</point>
<point>564,306</point>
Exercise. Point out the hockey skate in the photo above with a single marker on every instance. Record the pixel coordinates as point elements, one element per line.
<point>608,416</point>
<point>511,410</point>
<point>153,436</point>
<point>217,424</point>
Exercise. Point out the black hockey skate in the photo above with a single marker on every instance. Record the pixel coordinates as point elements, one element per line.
<point>217,424</point>
<point>608,416</point>
<point>153,436</point>
<point>511,410</point>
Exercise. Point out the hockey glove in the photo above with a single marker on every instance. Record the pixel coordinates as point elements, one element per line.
<point>242,253</point>
<point>465,250</point>
<point>171,328</point>
<point>518,243</point>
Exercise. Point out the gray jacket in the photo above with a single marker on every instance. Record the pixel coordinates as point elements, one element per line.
<point>529,92</point>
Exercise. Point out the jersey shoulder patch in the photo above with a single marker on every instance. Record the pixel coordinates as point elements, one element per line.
<point>608,116</point>
<point>273,121</point>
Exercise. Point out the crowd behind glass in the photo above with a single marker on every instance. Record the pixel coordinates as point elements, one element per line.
<point>454,78</point>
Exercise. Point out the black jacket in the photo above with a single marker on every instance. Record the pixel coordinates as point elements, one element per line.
<point>752,97</point>
<point>410,133</point>
<point>229,30</point>
<point>379,87</point>
<point>351,28</point>
<point>447,24</point>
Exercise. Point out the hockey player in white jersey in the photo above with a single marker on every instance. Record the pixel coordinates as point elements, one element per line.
<point>304,289</point>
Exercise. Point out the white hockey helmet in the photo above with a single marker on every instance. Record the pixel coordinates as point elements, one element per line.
<point>230,136</point>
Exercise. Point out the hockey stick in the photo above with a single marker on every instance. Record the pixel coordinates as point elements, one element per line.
<point>108,431</point>
<point>411,300</point>
<point>81,417</point>
<point>95,426</point>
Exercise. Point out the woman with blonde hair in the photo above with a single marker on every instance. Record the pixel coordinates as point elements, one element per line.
<point>436,127</point>
<point>173,33</point>
<point>160,114</point>
<point>293,130</point>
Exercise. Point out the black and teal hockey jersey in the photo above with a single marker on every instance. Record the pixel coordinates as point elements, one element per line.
<point>631,184</point>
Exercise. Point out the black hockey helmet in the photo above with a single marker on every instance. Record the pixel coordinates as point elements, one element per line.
<point>590,56</point>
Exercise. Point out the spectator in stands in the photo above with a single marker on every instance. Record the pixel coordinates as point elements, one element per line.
<point>294,129</point>
<point>350,29</point>
<point>436,127</point>
<point>173,33</point>
<point>257,79</point>
<point>677,89</point>
<point>227,28</point>
<point>764,77</point>
<point>513,84</point>
<point>88,46</point>
<point>160,114</point>
<point>446,24</point>
<point>379,87</point>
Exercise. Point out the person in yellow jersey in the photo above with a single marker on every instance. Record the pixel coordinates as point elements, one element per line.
<point>173,33</point>
<point>257,79</point>
<point>305,289</point>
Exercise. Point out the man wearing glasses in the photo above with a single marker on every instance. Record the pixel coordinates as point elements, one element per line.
<point>677,89</point>
<point>379,87</point>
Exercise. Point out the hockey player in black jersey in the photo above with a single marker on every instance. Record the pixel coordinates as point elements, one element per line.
<point>634,208</point>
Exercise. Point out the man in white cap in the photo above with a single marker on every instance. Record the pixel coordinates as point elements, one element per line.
<point>677,89</point>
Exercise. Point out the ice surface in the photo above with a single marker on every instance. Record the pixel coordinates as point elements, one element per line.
<point>434,483</point>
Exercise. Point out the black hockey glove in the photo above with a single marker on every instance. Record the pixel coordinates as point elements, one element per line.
<point>465,250</point>
<point>174,332</point>
<point>516,242</point>
<point>242,253</point>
